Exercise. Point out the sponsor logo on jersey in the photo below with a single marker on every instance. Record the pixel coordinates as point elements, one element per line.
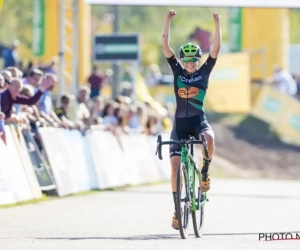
<point>190,80</point>
<point>191,92</point>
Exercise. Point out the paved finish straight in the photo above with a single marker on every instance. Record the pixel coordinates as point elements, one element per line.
<point>140,218</point>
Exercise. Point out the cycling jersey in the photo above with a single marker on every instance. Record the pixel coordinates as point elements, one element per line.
<point>190,89</point>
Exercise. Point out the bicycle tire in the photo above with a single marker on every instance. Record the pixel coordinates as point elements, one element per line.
<point>182,213</point>
<point>198,216</point>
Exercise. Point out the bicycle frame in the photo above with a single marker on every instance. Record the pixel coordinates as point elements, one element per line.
<point>192,172</point>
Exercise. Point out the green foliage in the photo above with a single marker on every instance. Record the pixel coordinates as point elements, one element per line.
<point>294,26</point>
<point>16,23</point>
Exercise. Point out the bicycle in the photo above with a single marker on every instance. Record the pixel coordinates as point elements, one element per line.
<point>192,199</point>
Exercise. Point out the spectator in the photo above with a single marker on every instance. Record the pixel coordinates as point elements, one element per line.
<point>12,95</point>
<point>109,117</point>
<point>33,78</point>
<point>96,110</point>
<point>24,112</point>
<point>45,104</point>
<point>77,110</point>
<point>127,76</point>
<point>202,37</point>
<point>10,55</point>
<point>96,81</point>
<point>126,89</point>
<point>121,113</point>
<point>134,120</point>
<point>7,77</point>
<point>284,82</point>
<point>27,69</point>
<point>15,72</point>
<point>152,125</point>
<point>26,91</point>
<point>61,112</point>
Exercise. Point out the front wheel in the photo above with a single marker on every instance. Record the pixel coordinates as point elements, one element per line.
<point>183,201</point>
<point>198,215</point>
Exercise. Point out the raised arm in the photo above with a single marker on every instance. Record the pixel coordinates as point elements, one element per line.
<point>46,83</point>
<point>218,37</point>
<point>165,38</point>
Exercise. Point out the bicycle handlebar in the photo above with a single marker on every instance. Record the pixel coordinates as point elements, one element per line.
<point>181,142</point>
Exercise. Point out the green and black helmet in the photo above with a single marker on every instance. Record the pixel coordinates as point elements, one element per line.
<point>190,50</point>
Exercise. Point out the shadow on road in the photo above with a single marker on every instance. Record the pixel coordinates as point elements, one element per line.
<point>156,237</point>
<point>129,238</point>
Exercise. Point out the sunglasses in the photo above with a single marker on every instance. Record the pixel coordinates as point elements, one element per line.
<point>190,59</point>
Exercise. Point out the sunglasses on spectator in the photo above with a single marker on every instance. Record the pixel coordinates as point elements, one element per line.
<point>190,59</point>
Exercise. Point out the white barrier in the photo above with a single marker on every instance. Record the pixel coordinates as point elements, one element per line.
<point>107,159</point>
<point>73,146</point>
<point>164,164</point>
<point>97,160</point>
<point>6,192</point>
<point>139,159</point>
<point>26,162</point>
<point>17,178</point>
<point>55,144</point>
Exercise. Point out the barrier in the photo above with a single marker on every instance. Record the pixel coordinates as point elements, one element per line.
<point>26,162</point>
<point>101,159</point>
<point>15,172</point>
<point>58,160</point>
<point>74,148</point>
<point>96,160</point>
<point>39,165</point>
<point>281,111</point>
<point>164,164</point>
<point>106,158</point>
<point>6,192</point>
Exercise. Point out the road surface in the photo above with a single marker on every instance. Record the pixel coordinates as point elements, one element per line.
<point>140,218</point>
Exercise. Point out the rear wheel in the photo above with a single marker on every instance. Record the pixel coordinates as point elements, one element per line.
<point>183,201</point>
<point>198,215</point>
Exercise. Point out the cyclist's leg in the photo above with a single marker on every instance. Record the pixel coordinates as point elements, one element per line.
<point>210,139</point>
<point>205,129</point>
<point>175,157</point>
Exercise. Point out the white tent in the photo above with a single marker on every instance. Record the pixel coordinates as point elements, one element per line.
<point>219,3</point>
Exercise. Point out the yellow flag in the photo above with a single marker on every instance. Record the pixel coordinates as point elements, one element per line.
<point>1,2</point>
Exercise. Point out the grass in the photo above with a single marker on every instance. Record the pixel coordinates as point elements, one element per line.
<point>29,202</point>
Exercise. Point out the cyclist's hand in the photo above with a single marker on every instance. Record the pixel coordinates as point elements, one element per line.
<point>216,17</point>
<point>171,14</point>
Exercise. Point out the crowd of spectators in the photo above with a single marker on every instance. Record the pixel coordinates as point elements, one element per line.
<point>27,100</point>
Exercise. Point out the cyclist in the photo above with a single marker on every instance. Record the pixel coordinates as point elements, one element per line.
<point>190,85</point>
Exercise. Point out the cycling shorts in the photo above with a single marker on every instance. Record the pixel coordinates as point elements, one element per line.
<point>184,127</point>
